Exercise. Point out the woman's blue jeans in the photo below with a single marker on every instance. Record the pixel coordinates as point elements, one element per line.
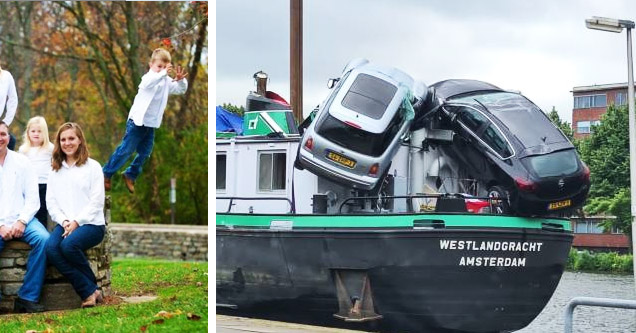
<point>67,255</point>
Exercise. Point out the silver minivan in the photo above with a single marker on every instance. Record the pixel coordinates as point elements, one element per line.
<point>357,130</point>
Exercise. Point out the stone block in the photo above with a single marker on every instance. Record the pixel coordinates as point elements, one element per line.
<point>59,296</point>
<point>22,261</point>
<point>11,288</point>
<point>11,274</point>
<point>6,262</point>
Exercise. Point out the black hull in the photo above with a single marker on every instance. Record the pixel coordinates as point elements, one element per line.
<point>415,284</point>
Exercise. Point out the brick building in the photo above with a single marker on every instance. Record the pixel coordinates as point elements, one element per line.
<point>590,102</point>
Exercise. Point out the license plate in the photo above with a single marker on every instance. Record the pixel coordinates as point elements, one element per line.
<point>349,163</point>
<point>559,204</point>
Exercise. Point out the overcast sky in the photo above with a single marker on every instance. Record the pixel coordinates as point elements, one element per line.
<point>540,47</point>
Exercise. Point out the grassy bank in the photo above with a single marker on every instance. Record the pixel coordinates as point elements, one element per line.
<point>610,262</point>
<point>181,306</point>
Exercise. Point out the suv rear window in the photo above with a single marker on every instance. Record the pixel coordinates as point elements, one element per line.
<point>358,140</point>
<point>560,163</point>
<point>369,96</point>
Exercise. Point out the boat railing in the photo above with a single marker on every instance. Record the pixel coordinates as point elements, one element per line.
<point>232,199</point>
<point>447,202</point>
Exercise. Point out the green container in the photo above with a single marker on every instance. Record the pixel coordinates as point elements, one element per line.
<point>269,121</point>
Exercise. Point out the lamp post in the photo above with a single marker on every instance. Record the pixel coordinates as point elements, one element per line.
<point>614,25</point>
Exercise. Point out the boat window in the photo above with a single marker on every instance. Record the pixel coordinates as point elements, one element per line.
<point>369,96</point>
<point>358,140</point>
<point>271,171</point>
<point>221,162</point>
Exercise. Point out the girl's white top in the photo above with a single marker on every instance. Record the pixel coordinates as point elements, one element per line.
<point>77,194</point>
<point>8,96</point>
<point>40,160</point>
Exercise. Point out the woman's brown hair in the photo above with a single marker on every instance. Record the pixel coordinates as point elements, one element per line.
<point>59,156</point>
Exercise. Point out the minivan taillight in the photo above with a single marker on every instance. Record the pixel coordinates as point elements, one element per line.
<point>309,144</point>
<point>525,185</point>
<point>353,124</point>
<point>373,170</point>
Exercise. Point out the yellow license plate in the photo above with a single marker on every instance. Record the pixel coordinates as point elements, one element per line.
<point>349,163</point>
<point>559,204</point>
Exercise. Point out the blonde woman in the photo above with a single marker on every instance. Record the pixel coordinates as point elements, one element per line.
<point>75,198</point>
<point>38,148</point>
<point>8,99</point>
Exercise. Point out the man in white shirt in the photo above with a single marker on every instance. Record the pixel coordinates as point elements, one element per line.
<point>8,98</point>
<point>19,201</point>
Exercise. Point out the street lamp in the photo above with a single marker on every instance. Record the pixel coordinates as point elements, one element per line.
<point>614,25</point>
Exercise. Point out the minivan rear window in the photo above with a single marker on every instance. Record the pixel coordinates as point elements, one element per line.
<point>560,163</point>
<point>358,140</point>
<point>369,95</point>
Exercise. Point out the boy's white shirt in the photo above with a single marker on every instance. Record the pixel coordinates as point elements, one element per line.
<point>76,194</point>
<point>153,83</point>
<point>19,195</point>
<point>8,96</point>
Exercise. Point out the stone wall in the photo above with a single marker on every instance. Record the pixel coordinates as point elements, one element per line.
<point>176,242</point>
<point>57,293</point>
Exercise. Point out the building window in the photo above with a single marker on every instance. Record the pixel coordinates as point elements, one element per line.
<point>580,227</point>
<point>583,127</point>
<point>271,171</point>
<point>591,101</point>
<point>221,167</point>
<point>621,99</point>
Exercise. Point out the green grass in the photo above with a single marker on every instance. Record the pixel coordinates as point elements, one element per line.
<point>181,288</point>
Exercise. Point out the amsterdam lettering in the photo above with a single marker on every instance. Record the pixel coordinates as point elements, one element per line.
<point>496,246</point>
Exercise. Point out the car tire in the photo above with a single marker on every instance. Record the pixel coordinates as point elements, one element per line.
<point>297,164</point>
<point>499,206</point>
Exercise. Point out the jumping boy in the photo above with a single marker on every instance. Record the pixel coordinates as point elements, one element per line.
<point>145,115</point>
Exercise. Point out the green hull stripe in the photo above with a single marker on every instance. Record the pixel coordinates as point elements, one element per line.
<point>386,221</point>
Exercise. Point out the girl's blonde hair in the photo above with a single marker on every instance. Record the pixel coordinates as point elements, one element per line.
<point>59,156</point>
<point>26,141</point>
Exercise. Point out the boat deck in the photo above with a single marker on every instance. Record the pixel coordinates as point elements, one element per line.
<point>231,324</point>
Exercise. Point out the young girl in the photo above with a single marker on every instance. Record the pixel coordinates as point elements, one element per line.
<point>38,148</point>
<point>75,198</point>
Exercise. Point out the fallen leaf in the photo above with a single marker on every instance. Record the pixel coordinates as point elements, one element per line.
<point>178,312</point>
<point>192,316</point>
<point>158,321</point>
<point>31,331</point>
<point>164,314</point>
<point>173,298</point>
<point>48,330</point>
<point>143,328</point>
<point>199,284</point>
<point>49,321</point>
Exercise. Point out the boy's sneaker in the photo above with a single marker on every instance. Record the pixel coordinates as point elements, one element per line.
<point>107,184</point>
<point>130,184</point>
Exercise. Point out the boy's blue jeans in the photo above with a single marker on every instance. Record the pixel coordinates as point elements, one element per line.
<point>36,236</point>
<point>67,255</point>
<point>137,138</point>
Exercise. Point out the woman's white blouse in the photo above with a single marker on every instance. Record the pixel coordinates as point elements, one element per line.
<point>76,194</point>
